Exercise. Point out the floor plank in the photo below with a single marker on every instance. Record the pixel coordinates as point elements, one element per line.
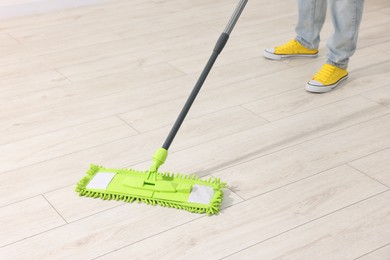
<point>381,96</point>
<point>27,218</point>
<point>21,85</point>
<point>24,8</point>
<point>341,235</point>
<point>59,143</point>
<point>256,219</point>
<point>67,114</point>
<point>288,165</point>
<point>376,166</point>
<point>6,40</point>
<point>379,254</point>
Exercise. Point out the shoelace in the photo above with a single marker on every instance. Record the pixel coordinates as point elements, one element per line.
<point>288,46</point>
<point>325,73</point>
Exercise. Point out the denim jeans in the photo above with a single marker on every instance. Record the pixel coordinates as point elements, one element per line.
<point>346,17</point>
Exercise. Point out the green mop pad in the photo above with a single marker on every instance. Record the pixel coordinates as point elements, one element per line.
<point>179,191</point>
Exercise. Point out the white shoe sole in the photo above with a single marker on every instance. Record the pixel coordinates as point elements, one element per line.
<point>272,56</point>
<point>324,89</point>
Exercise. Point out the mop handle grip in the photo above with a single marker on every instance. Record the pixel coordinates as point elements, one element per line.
<point>233,20</point>
<point>216,51</point>
<point>229,27</point>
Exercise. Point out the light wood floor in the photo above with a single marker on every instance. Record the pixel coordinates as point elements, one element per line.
<point>308,175</point>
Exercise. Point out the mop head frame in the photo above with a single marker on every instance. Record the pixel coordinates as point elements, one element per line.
<point>179,191</point>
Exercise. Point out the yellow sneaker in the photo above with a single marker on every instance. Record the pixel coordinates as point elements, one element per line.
<point>326,79</point>
<point>292,49</point>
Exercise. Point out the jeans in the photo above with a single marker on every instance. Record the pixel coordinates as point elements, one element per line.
<point>346,17</point>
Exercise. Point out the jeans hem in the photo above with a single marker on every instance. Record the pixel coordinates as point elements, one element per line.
<point>341,66</point>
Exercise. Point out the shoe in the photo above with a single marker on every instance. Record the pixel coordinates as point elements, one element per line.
<point>326,79</point>
<point>292,49</point>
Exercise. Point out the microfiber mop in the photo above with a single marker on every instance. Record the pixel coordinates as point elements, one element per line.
<point>179,191</point>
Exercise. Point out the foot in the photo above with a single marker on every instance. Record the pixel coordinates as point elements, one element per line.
<point>326,79</point>
<point>292,49</point>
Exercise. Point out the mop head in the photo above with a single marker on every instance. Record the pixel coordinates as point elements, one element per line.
<point>179,191</point>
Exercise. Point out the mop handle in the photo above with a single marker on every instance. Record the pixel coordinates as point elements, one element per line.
<point>217,50</point>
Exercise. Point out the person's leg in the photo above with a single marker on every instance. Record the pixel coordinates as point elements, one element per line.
<point>311,17</point>
<point>346,17</point>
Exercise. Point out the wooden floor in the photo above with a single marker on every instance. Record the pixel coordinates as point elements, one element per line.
<point>308,175</point>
